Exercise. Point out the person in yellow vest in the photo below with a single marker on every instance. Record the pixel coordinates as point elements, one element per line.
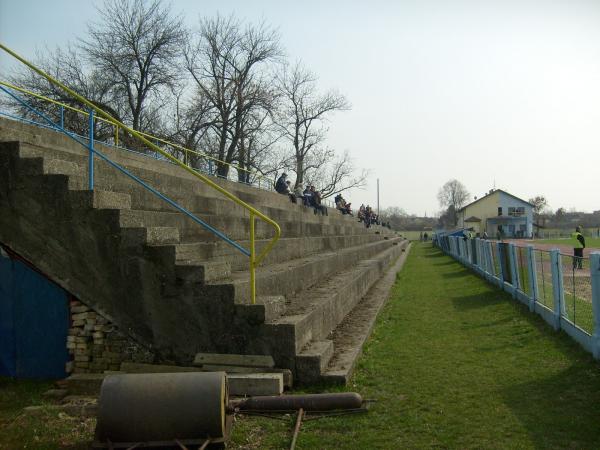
<point>579,245</point>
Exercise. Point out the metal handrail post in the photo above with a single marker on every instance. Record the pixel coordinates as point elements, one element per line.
<point>91,151</point>
<point>252,261</point>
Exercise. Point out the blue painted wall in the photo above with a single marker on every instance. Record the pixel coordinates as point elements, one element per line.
<point>34,321</point>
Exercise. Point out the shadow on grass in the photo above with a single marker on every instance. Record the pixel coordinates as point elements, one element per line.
<point>560,411</point>
<point>488,324</point>
<point>457,274</point>
<point>470,302</point>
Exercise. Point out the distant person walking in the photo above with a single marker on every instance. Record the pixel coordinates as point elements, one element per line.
<point>579,245</point>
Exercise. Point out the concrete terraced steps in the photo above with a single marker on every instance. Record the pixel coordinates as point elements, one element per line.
<point>166,281</point>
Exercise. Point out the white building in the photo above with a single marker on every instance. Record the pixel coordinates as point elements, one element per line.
<point>498,211</point>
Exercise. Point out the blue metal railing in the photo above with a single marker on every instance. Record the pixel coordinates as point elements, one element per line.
<point>93,152</point>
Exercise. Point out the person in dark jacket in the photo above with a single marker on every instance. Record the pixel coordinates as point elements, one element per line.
<point>281,185</point>
<point>579,245</point>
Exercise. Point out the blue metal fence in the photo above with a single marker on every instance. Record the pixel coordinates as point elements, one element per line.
<point>562,289</point>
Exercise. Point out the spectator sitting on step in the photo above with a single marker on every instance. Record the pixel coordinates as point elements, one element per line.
<point>341,204</point>
<point>316,202</point>
<point>307,195</point>
<point>361,213</point>
<point>288,191</point>
<point>280,185</point>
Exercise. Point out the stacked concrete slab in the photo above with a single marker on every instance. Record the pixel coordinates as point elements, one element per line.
<point>166,281</point>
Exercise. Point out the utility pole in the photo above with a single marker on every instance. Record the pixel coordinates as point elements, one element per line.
<point>377,197</point>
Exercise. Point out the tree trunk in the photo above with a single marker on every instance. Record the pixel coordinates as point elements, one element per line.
<point>299,172</point>
<point>242,174</point>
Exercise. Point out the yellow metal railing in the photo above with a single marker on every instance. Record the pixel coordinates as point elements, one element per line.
<point>104,116</point>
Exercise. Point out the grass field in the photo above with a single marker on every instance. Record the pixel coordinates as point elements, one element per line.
<point>453,363</point>
<point>589,242</point>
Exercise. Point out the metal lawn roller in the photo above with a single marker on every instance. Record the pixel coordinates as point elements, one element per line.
<point>163,410</point>
<point>179,410</point>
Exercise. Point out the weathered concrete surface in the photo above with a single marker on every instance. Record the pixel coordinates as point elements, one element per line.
<point>350,336</point>
<point>247,384</point>
<point>234,360</point>
<point>164,280</point>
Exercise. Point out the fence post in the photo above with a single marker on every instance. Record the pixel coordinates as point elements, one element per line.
<point>478,255</point>
<point>510,250</point>
<point>531,268</point>
<point>485,256</point>
<point>91,150</point>
<point>595,277</point>
<point>557,286</point>
<point>499,258</point>
<point>490,250</point>
<point>515,267</point>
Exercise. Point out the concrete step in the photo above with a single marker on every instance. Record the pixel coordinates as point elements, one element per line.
<point>300,274</point>
<point>314,313</point>
<point>107,178</point>
<point>99,199</point>
<point>266,309</point>
<point>158,172</point>
<point>285,250</point>
<point>351,334</point>
<point>136,236</point>
<point>313,360</point>
<point>202,272</point>
<point>238,226</point>
<point>44,166</point>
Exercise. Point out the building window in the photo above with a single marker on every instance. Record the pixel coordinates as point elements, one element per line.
<point>499,210</point>
<point>516,211</point>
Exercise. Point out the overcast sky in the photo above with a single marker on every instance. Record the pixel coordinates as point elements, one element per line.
<point>502,93</point>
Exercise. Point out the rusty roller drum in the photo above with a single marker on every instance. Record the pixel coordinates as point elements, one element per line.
<point>162,407</point>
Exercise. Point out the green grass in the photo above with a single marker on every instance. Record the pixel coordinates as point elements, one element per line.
<point>453,363</point>
<point>45,430</point>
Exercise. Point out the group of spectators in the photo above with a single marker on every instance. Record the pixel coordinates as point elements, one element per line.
<point>309,197</point>
<point>367,216</point>
<point>342,205</point>
<point>312,198</point>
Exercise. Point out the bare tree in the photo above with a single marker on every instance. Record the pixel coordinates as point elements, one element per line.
<point>66,65</point>
<point>225,61</point>
<point>303,116</point>
<point>338,175</point>
<point>539,203</point>
<point>135,45</point>
<point>188,126</point>
<point>257,146</point>
<point>453,195</point>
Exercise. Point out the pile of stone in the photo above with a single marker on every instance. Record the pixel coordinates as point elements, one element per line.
<point>91,342</point>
